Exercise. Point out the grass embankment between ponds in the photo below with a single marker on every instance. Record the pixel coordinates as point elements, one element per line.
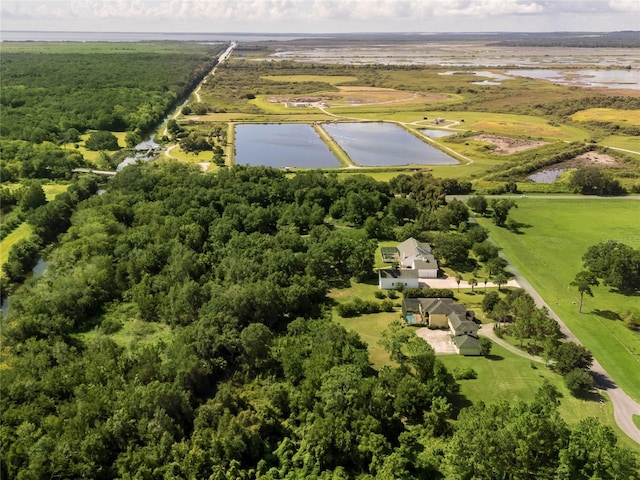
<point>554,235</point>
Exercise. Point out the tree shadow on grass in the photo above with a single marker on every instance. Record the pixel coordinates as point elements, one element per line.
<point>608,314</point>
<point>495,358</point>
<point>459,402</point>
<point>516,227</point>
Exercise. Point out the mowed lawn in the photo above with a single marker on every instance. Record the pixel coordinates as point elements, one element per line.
<point>506,376</point>
<point>503,376</point>
<point>548,252</point>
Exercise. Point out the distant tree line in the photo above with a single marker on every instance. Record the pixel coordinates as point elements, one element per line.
<point>54,97</point>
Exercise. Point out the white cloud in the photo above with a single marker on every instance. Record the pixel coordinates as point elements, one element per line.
<point>626,6</point>
<point>310,15</point>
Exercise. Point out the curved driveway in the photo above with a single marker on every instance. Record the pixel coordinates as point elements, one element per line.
<point>624,407</point>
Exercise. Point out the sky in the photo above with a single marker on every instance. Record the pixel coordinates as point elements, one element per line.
<point>319,16</point>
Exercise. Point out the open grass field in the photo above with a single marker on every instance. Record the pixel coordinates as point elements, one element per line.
<point>506,376</point>
<point>51,190</point>
<point>331,79</point>
<point>548,252</point>
<point>611,115</point>
<point>134,332</point>
<point>622,141</point>
<point>20,233</point>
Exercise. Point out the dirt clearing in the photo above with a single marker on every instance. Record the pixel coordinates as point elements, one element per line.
<point>509,145</point>
<point>591,159</point>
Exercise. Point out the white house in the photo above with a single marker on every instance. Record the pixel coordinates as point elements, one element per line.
<point>418,255</point>
<point>392,278</point>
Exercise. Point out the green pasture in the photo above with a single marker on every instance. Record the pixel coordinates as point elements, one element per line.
<point>369,328</point>
<point>554,234</point>
<point>626,142</point>
<point>331,79</point>
<point>20,233</point>
<point>189,157</point>
<point>507,376</point>
<point>610,115</point>
<point>51,190</point>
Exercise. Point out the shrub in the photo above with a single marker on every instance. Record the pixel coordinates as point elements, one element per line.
<point>379,294</point>
<point>392,294</point>
<point>428,293</point>
<point>110,325</point>
<point>485,346</point>
<point>386,306</point>
<point>468,373</point>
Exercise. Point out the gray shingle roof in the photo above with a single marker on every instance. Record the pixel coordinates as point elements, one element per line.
<point>398,273</point>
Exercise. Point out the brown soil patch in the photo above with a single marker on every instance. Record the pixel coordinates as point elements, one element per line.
<point>508,145</point>
<point>361,95</point>
<point>591,159</point>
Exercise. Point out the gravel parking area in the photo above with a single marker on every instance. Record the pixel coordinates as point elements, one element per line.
<point>440,340</point>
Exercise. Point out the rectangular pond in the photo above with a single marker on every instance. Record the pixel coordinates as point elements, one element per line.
<point>377,144</point>
<point>282,145</point>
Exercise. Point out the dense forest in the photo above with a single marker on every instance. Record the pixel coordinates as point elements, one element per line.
<point>251,379</point>
<point>56,95</point>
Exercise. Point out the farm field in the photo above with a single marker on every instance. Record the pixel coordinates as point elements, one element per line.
<point>554,236</point>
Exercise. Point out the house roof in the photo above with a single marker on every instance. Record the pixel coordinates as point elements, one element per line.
<point>426,264</point>
<point>411,304</point>
<point>459,322</point>
<point>405,273</point>
<point>412,247</point>
<point>441,306</point>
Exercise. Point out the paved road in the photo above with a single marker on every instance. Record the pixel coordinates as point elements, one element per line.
<point>486,330</point>
<point>464,198</point>
<point>624,407</point>
<point>196,92</point>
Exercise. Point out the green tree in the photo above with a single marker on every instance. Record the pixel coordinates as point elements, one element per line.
<point>32,196</point>
<point>501,208</point>
<point>473,282</point>
<point>458,280</point>
<point>485,346</point>
<point>570,355</point>
<point>23,256</point>
<point>594,181</point>
<point>578,382</point>
<point>617,264</point>
<point>393,339</point>
<point>584,281</point>
<point>592,452</point>
<point>102,140</point>
<point>478,204</point>
<point>500,279</point>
